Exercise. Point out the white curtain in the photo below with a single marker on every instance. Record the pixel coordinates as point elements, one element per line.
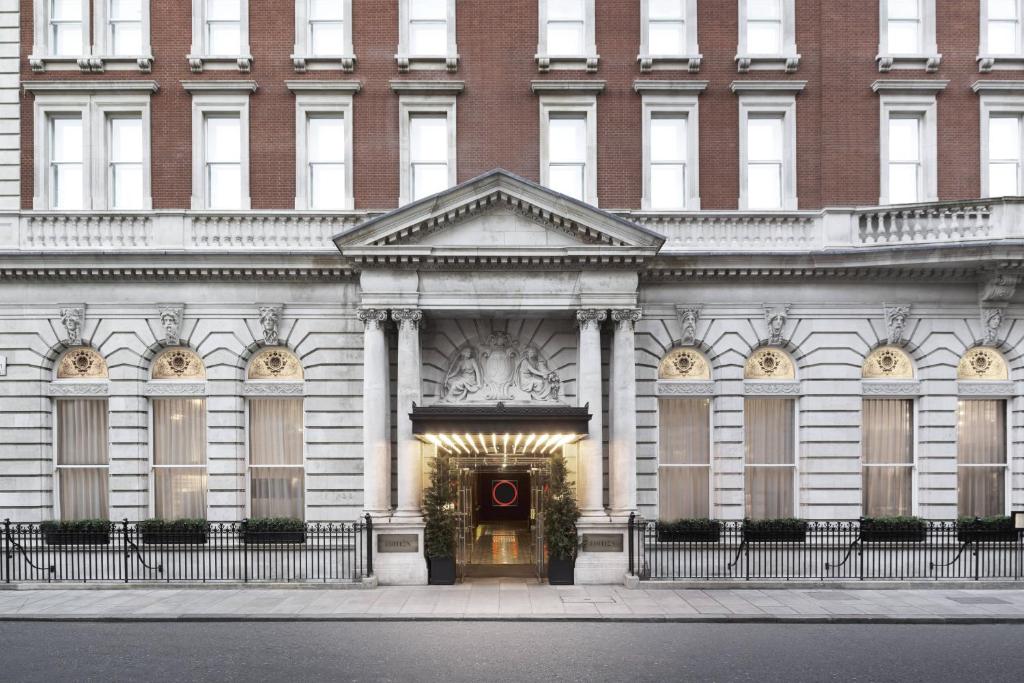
<point>179,458</point>
<point>82,459</point>
<point>770,457</point>
<point>981,458</point>
<point>887,454</point>
<point>276,472</point>
<point>684,439</point>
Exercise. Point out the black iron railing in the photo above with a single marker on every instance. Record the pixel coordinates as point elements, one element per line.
<point>823,551</point>
<point>127,552</point>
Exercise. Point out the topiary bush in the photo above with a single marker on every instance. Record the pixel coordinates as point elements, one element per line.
<point>560,513</point>
<point>439,511</point>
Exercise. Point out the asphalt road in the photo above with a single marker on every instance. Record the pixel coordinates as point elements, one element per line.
<point>488,652</point>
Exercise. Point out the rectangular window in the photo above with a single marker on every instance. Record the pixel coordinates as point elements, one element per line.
<point>770,447</point>
<point>1003,27</point>
<point>887,456</point>
<point>224,28</point>
<point>981,458</point>
<point>67,28</point>
<point>764,27</point>
<point>276,472</point>
<point>428,154</point>
<point>904,27</point>
<point>326,27</point>
<point>67,151</point>
<point>126,163</point>
<point>428,27</point>
<point>326,154</point>
<point>668,162</point>
<point>567,155</point>
<point>567,27</point>
<point>904,159</point>
<point>224,162</point>
<point>666,27</point>
<point>82,459</point>
<point>125,27</point>
<point>1004,156</point>
<point>179,458</point>
<point>765,162</point>
<point>684,458</point>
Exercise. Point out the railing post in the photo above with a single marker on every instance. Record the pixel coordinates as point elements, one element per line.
<point>632,520</point>
<point>7,551</point>
<point>124,542</point>
<point>369,545</point>
<point>245,550</point>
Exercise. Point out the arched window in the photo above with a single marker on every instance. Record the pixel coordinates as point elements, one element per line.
<point>769,431</point>
<point>81,452</point>
<point>981,434</point>
<point>178,403</point>
<point>887,440</point>
<point>684,435</point>
<point>276,420</point>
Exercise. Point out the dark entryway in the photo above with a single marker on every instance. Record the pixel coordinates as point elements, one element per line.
<point>502,497</point>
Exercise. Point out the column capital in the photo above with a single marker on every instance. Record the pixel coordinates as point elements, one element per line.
<point>410,317</point>
<point>588,317</point>
<point>372,317</point>
<point>626,316</point>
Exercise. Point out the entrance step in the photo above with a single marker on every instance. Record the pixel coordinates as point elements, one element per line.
<point>478,571</point>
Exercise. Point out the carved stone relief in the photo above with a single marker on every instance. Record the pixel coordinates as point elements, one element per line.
<point>684,364</point>
<point>888,362</point>
<point>270,320</point>
<point>769,364</point>
<point>72,319</point>
<point>171,316</point>
<point>499,368</point>
<point>982,364</point>
<point>275,364</point>
<point>83,363</point>
<point>775,320</point>
<point>991,322</point>
<point>688,316</point>
<point>178,364</point>
<point>896,318</point>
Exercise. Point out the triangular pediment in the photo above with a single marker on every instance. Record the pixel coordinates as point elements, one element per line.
<point>498,214</point>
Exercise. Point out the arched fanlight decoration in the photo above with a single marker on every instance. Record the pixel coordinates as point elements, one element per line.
<point>178,363</point>
<point>275,363</point>
<point>983,364</point>
<point>684,364</point>
<point>770,363</point>
<point>888,362</point>
<point>82,363</point>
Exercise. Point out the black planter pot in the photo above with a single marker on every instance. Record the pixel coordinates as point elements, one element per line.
<point>58,537</point>
<point>712,534</point>
<point>269,537</point>
<point>561,572</point>
<point>987,535</point>
<point>174,537</point>
<point>775,535</point>
<point>869,534</point>
<point>441,571</point>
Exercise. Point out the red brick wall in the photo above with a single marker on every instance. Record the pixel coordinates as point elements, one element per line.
<point>837,114</point>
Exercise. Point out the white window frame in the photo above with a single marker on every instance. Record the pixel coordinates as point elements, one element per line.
<point>103,45</point>
<point>55,455</point>
<point>321,97</point>
<point>770,98</point>
<point>303,58</point>
<point>1008,440</point>
<point>410,105</point>
<point>915,435</point>
<point>408,62</point>
<point>213,98</point>
<point>678,98</point>
<point>691,57</point>
<point>988,62</point>
<point>43,57</point>
<point>927,59</point>
<point>248,444</point>
<point>587,61</point>
<point>710,398</point>
<point>199,58</point>
<point>556,102</point>
<point>1001,100</point>
<point>910,98</point>
<point>94,102</point>
<point>186,392</point>
<point>787,60</point>
<point>797,443</point>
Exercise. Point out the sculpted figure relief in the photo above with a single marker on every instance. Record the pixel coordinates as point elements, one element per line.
<point>497,370</point>
<point>534,377</point>
<point>463,378</point>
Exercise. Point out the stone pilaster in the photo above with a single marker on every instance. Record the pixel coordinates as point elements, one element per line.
<point>410,485</point>
<point>591,452</point>
<point>622,441</point>
<point>376,441</point>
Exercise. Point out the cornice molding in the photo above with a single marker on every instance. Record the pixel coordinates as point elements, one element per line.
<point>890,388</point>
<point>669,87</point>
<point>423,87</point>
<point>90,86</point>
<point>581,87</point>
<point>771,388</point>
<point>983,87</point>
<point>78,388</point>
<point>172,388</point>
<point>767,87</point>
<point>324,86</point>
<point>700,388</point>
<point>265,389</point>
<point>982,388</point>
<point>220,86</point>
<point>910,85</point>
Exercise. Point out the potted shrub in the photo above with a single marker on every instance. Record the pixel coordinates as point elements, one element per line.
<point>440,528</point>
<point>177,531</point>
<point>76,532</point>
<point>893,529</point>
<point>998,529</point>
<point>273,530</point>
<point>695,530</point>
<point>560,516</point>
<point>784,530</point>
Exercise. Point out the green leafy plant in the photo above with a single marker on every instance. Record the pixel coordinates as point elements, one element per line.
<point>996,529</point>
<point>996,523</point>
<point>275,524</point>
<point>76,526</point>
<point>692,524</point>
<point>901,523</point>
<point>439,511</point>
<point>560,513</point>
<point>780,524</point>
<point>184,525</point>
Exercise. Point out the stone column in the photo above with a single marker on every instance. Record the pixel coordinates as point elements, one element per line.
<point>376,440</point>
<point>622,441</point>
<point>410,485</point>
<point>591,453</point>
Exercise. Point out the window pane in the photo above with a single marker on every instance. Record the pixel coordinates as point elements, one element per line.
<point>684,431</point>
<point>567,179</point>
<point>126,139</point>
<point>666,39</point>
<point>82,433</point>
<point>67,39</point>
<point>428,139</point>
<point>567,140</point>
<point>904,37</point>
<point>66,10</point>
<point>981,433</point>
<point>904,9</point>
<point>1002,37</point>
<point>326,10</point>
<point>326,139</point>
<point>275,432</point>
<point>225,39</point>
<point>226,187</point>
<point>668,139</point>
<point>666,9</point>
<point>428,9</point>
<point>764,38</point>
<point>277,492</point>
<point>68,190</point>
<point>84,493</point>
<point>768,431</point>
<point>764,186</point>
<point>904,139</point>
<point>668,186</point>
<point>428,39</point>
<point>327,39</point>
<point>888,432</point>
<point>67,139</point>
<point>428,179</point>
<point>1003,180</point>
<point>179,431</point>
<point>903,184</point>
<point>888,491</point>
<point>179,492</point>
<point>126,10</point>
<point>769,492</point>
<point>1004,138</point>
<point>566,9</point>
<point>764,9</point>
<point>683,493</point>
<point>327,187</point>
<point>981,491</point>
<point>223,139</point>
<point>127,39</point>
<point>565,38</point>
<point>764,139</point>
<point>224,10</point>
<point>128,187</point>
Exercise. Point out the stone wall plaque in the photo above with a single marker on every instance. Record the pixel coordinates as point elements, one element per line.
<point>602,543</point>
<point>398,543</point>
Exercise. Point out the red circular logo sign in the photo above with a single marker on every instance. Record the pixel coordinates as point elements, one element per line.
<point>504,493</point>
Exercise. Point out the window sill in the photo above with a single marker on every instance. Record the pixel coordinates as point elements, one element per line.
<point>546,63</point>
<point>690,63</point>
<point>788,63</point>
<point>990,63</point>
<point>449,63</point>
<point>930,63</point>
<point>199,63</point>
<point>303,63</point>
<point>91,65</point>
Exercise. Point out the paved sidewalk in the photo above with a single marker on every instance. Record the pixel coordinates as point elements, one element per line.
<point>518,600</point>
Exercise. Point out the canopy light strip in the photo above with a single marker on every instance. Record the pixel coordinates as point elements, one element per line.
<point>500,444</point>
